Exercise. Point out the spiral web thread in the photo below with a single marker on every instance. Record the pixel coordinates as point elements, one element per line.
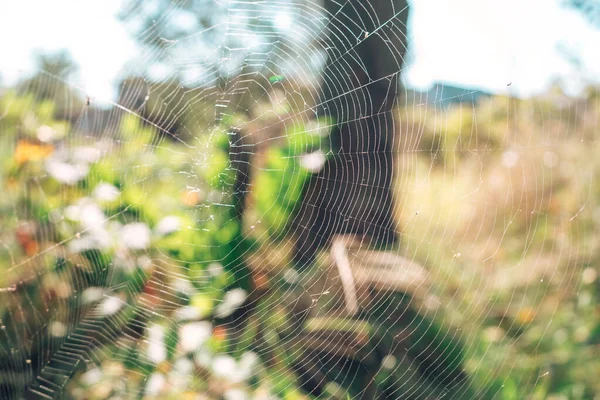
<point>467,191</point>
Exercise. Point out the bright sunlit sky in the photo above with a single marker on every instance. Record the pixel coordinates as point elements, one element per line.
<point>483,44</point>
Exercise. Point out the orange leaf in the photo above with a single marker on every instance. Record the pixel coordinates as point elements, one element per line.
<point>191,198</point>
<point>31,249</point>
<point>260,280</point>
<point>525,315</point>
<point>220,333</point>
<point>27,151</point>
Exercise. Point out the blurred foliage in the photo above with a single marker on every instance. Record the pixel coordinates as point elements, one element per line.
<point>130,242</point>
<point>114,225</point>
<point>502,202</point>
<point>280,184</point>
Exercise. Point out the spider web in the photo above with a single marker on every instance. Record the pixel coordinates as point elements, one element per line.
<point>266,213</point>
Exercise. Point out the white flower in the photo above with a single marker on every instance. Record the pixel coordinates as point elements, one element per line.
<point>58,329</point>
<point>66,173</point>
<point>247,365</point>
<point>203,359</point>
<point>91,216</point>
<point>235,394</point>
<point>183,285</point>
<point>136,236</point>
<point>184,366</point>
<point>93,222</point>
<point>224,366</point>
<point>167,225</point>
<point>214,269</point>
<point>389,362</point>
<point>155,385</point>
<point>291,276</point>
<point>86,154</point>
<point>111,305</point>
<point>193,335</point>
<point>232,300</point>
<point>46,134</point>
<point>157,352</point>
<point>92,376</point>
<point>187,312</point>
<point>313,162</point>
<point>92,294</point>
<point>249,359</point>
<point>106,192</point>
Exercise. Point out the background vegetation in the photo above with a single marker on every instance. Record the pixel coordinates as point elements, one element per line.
<point>106,241</point>
<point>149,252</point>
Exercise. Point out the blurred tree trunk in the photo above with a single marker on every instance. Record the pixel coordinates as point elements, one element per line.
<point>352,194</point>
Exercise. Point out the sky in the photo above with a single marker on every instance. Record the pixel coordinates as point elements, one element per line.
<point>499,46</point>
